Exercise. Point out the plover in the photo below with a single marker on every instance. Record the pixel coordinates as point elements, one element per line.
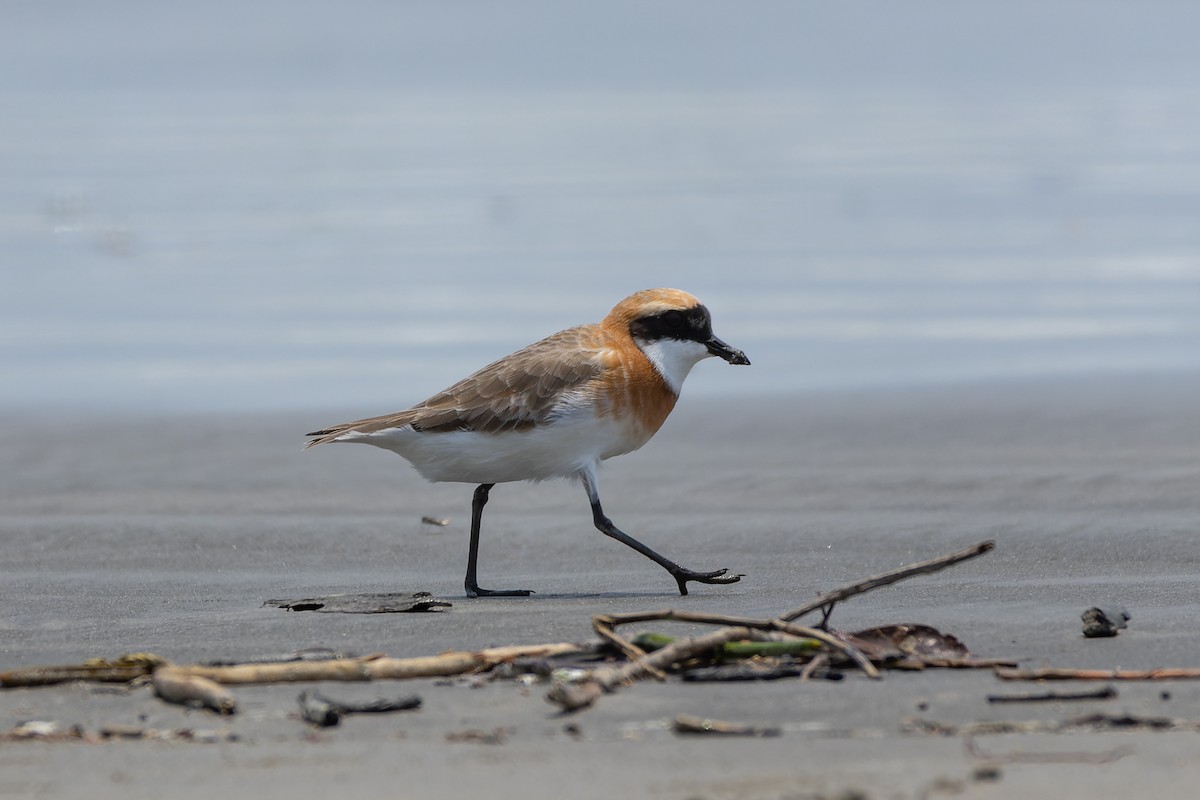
<point>556,409</point>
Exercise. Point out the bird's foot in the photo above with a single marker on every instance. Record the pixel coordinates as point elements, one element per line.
<point>682,576</point>
<point>476,591</point>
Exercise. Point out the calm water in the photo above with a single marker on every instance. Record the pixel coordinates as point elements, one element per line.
<point>299,207</point>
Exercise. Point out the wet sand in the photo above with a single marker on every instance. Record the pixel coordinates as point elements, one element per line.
<point>166,534</point>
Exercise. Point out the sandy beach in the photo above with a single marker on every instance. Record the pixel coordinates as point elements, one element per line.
<point>958,243</point>
<point>167,535</point>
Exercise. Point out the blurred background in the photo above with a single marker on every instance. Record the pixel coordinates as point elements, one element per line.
<point>272,205</point>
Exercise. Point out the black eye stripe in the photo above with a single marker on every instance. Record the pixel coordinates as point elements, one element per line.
<point>683,324</point>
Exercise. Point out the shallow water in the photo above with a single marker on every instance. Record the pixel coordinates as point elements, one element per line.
<point>227,210</point>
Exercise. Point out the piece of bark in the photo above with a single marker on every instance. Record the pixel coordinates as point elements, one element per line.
<point>367,603</point>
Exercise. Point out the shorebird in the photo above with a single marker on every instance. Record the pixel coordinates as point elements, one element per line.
<point>556,409</point>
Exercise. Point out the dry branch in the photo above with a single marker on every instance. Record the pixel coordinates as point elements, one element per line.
<point>571,697</point>
<point>888,578</point>
<point>370,668</point>
<point>118,670</point>
<point>778,625</point>
<point>51,675</point>
<point>1106,693</point>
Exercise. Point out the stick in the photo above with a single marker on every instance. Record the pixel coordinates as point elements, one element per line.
<point>370,668</point>
<point>888,578</point>
<point>850,651</point>
<point>1052,674</point>
<point>815,665</point>
<point>571,697</point>
<point>118,670</point>
<point>49,676</point>
<point>1107,693</point>
<point>603,626</point>
<point>778,624</point>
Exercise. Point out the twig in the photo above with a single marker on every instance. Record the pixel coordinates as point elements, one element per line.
<point>778,624</point>
<point>603,626</point>
<point>1107,693</point>
<point>845,648</point>
<point>1061,674</point>
<point>815,665</point>
<point>886,579</point>
<point>571,697</point>
<point>118,670</point>
<point>49,676</point>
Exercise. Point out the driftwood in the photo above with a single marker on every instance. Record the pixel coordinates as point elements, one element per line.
<point>575,696</point>
<point>378,667</point>
<point>581,694</point>
<point>49,676</point>
<point>118,670</point>
<point>325,712</point>
<point>604,624</point>
<point>175,685</point>
<point>202,686</point>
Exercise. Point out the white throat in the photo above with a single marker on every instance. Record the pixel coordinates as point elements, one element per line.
<point>674,359</point>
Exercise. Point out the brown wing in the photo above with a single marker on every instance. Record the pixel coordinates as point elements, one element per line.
<point>515,393</point>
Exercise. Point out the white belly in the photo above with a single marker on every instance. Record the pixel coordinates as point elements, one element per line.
<point>560,449</point>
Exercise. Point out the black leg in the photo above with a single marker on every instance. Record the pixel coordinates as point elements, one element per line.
<point>681,574</point>
<point>472,583</point>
